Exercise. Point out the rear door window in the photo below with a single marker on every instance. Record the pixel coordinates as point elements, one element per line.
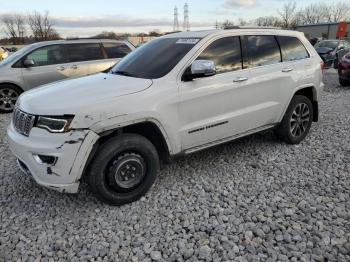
<point>292,49</point>
<point>48,55</point>
<point>260,50</point>
<point>226,54</point>
<point>84,52</point>
<point>116,50</point>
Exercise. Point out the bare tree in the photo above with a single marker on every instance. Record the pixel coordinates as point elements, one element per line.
<point>267,21</point>
<point>314,13</point>
<point>288,14</point>
<point>14,27</point>
<point>41,26</point>
<point>227,24</point>
<point>242,22</point>
<point>338,12</point>
<point>106,35</point>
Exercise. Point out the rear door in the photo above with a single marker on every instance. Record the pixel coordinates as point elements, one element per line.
<point>114,52</point>
<point>297,65</point>
<point>84,58</point>
<point>270,80</point>
<point>49,66</point>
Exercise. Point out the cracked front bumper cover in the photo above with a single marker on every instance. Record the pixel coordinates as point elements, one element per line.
<point>72,150</point>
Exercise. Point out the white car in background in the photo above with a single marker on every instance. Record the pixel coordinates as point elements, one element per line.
<point>175,95</point>
<point>50,61</point>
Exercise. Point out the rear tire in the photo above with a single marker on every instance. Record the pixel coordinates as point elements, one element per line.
<point>124,169</point>
<point>297,120</point>
<point>8,97</point>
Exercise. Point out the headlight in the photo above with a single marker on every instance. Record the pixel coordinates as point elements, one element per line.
<point>55,124</point>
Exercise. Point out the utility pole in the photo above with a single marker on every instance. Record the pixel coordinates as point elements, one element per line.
<point>216,25</point>
<point>176,20</point>
<point>186,25</point>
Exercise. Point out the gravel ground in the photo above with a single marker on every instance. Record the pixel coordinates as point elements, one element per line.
<point>249,200</point>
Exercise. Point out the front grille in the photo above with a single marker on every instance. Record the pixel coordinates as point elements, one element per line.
<point>23,122</point>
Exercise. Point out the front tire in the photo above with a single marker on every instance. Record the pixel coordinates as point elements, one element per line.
<point>123,169</point>
<point>297,120</point>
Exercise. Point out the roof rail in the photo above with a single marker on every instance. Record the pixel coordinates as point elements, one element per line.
<point>253,27</point>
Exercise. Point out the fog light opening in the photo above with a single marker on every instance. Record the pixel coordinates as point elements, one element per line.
<point>45,160</point>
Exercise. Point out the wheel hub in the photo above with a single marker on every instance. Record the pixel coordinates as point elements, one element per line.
<point>8,97</point>
<point>127,171</point>
<point>300,119</point>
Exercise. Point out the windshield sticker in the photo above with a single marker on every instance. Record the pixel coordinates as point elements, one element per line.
<point>188,41</point>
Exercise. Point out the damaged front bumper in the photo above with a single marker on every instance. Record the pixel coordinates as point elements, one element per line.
<point>70,152</point>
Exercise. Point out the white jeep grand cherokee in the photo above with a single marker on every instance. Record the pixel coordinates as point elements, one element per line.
<point>175,95</point>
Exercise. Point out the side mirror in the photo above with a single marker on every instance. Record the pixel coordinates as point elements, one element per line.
<point>28,63</point>
<point>200,69</point>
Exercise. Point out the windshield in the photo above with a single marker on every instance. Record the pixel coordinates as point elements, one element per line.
<point>329,44</point>
<point>156,58</point>
<point>15,56</point>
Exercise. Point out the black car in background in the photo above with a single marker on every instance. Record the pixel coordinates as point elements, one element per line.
<point>331,51</point>
<point>344,70</point>
<point>12,49</point>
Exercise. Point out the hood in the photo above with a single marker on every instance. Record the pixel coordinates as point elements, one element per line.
<point>80,94</point>
<point>324,50</point>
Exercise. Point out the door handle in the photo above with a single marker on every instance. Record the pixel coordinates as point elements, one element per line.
<point>61,68</point>
<point>286,70</point>
<point>74,67</point>
<point>240,79</point>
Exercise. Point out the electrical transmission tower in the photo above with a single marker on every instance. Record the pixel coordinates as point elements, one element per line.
<point>186,25</point>
<point>176,20</point>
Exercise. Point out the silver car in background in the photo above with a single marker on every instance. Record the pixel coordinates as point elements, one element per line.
<point>47,62</point>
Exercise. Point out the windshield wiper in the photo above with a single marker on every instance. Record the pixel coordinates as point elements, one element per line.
<point>124,73</point>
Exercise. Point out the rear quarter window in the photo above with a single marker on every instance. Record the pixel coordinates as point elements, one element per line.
<point>292,48</point>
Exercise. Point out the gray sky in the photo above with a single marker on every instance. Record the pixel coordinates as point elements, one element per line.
<point>86,18</point>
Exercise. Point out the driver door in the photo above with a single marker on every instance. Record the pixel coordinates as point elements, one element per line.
<point>209,106</point>
<point>49,66</point>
